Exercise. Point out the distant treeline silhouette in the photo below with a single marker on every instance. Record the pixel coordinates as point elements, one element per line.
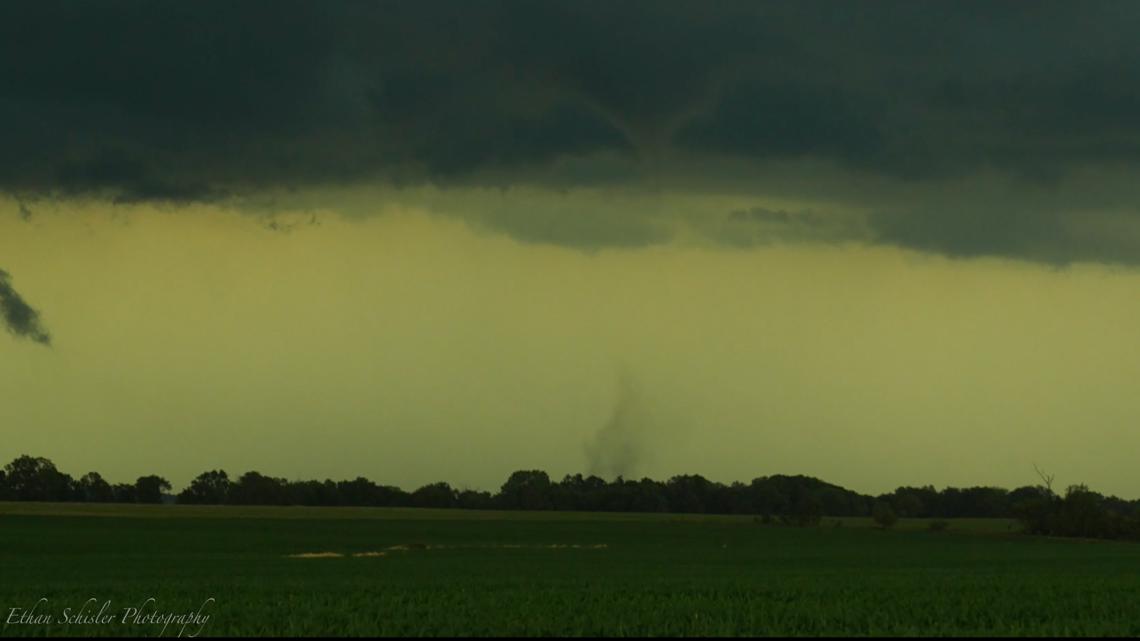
<point>796,500</point>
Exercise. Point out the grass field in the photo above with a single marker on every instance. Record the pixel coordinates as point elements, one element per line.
<point>436,572</point>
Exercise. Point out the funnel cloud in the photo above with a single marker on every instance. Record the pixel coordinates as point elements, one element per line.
<point>616,448</point>
<point>21,319</point>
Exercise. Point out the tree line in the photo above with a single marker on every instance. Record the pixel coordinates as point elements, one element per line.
<point>796,500</point>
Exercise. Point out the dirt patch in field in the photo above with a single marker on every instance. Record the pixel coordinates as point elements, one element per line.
<point>502,546</point>
<point>408,547</point>
<point>576,546</point>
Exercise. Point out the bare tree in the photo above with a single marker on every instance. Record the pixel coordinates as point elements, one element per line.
<point>1047,479</point>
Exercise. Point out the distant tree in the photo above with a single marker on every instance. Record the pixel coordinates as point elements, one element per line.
<point>647,495</point>
<point>437,495</point>
<point>567,494</point>
<point>328,493</point>
<point>359,492</point>
<point>1082,514</point>
<point>627,495</point>
<point>209,488</point>
<point>37,479</point>
<point>735,498</point>
<point>986,502</point>
<point>475,500</point>
<point>838,501</point>
<point>616,496</point>
<point>312,493</point>
<point>124,493</point>
<point>883,514</point>
<point>1036,507</point>
<point>808,509</point>
<point>917,501</point>
<point>768,498</point>
<point>1033,507</point>
<point>303,492</point>
<point>782,495</point>
<point>1046,479</point>
<point>526,490</point>
<point>594,489</point>
<point>575,492</point>
<point>364,492</point>
<point>1117,505</point>
<point>980,502</point>
<point>149,489</point>
<point>688,493</point>
<point>254,488</point>
<point>393,496</point>
<point>908,504</point>
<point>798,500</point>
<point>1079,513</point>
<point>1027,493</point>
<point>94,489</point>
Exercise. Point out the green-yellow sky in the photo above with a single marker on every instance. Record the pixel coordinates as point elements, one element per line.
<point>409,346</point>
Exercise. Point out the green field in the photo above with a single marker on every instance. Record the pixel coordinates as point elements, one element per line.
<point>450,572</point>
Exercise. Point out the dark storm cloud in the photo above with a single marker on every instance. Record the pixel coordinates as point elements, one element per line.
<point>184,101</point>
<point>20,318</point>
<point>1098,223</point>
<point>760,226</point>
